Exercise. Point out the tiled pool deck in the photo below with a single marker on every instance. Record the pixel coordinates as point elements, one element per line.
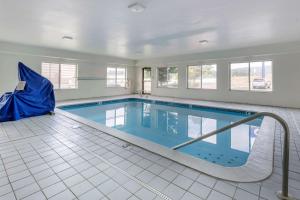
<point>55,157</point>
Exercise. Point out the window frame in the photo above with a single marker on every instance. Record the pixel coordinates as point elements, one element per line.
<point>116,77</point>
<point>249,76</point>
<point>59,77</point>
<point>201,88</point>
<point>167,86</point>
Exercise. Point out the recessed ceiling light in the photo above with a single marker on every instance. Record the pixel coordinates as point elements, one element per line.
<point>203,41</point>
<point>136,7</point>
<point>66,37</point>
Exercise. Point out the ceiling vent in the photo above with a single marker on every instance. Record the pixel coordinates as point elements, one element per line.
<point>66,37</point>
<point>136,7</point>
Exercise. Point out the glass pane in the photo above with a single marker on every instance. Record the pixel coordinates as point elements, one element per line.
<point>121,83</point>
<point>51,72</point>
<point>121,73</point>
<point>162,77</point>
<point>261,76</point>
<point>46,70</point>
<point>121,77</point>
<point>111,76</point>
<point>147,74</point>
<point>147,80</point>
<point>168,77</point>
<point>111,72</point>
<point>111,83</point>
<point>68,76</point>
<point>209,76</point>
<point>194,76</point>
<point>239,76</point>
<point>147,87</point>
<point>172,77</point>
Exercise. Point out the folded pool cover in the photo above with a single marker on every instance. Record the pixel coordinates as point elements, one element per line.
<point>37,98</point>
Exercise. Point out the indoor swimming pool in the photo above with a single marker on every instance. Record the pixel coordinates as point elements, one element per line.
<point>170,124</point>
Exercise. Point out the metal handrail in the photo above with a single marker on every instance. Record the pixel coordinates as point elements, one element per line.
<point>285,161</point>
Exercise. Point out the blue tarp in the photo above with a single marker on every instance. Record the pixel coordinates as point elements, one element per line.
<point>37,98</point>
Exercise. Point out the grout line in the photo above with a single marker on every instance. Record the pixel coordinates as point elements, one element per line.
<point>132,177</point>
<point>88,139</point>
<point>13,191</point>
<point>295,122</point>
<point>179,173</point>
<point>110,178</point>
<point>30,174</point>
<point>50,167</point>
<point>78,172</point>
<point>22,138</point>
<point>125,173</point>
<point>66,136</point>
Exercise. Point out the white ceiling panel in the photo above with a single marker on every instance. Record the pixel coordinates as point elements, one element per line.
<point>166,27</point>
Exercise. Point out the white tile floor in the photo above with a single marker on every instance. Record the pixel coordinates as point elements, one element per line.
<point>45,158</point>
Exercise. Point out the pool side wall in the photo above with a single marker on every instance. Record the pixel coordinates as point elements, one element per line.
<point>259,165</point>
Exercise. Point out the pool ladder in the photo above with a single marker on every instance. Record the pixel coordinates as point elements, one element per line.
<point>283,194</point>
<point>142,94</point>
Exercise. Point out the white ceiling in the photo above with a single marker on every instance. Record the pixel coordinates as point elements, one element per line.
<point>166,27</point>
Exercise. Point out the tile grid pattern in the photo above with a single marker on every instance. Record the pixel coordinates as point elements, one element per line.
<point>54,163</point>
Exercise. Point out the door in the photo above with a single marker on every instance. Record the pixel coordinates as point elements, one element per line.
<point>146,80</point>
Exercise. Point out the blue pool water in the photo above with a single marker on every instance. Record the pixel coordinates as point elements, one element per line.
<point>170,124</point>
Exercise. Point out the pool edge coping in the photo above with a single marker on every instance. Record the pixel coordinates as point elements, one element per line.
<point>259,165</point>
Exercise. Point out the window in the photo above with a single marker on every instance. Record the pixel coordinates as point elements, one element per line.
<point>254,76</point>
<point>116,76</point>
<point>62,76</point>
<point>168,77</point>
<point>202,76</point>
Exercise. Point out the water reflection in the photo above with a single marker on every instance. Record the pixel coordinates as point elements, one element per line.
<point>146,115</point>
<point>243,136</point>
<point>186,127</point>
<point>170,126</point>
<point>115,117</point>
<point>198,126</point>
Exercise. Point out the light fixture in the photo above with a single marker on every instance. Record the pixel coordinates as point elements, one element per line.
<point>203,41</point>
<point>136,7</point>
<point>66,37</point>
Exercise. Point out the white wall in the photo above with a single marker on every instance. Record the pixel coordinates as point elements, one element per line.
<point>88,66</point>
<point>285,57</point>
<point>286,75</point>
